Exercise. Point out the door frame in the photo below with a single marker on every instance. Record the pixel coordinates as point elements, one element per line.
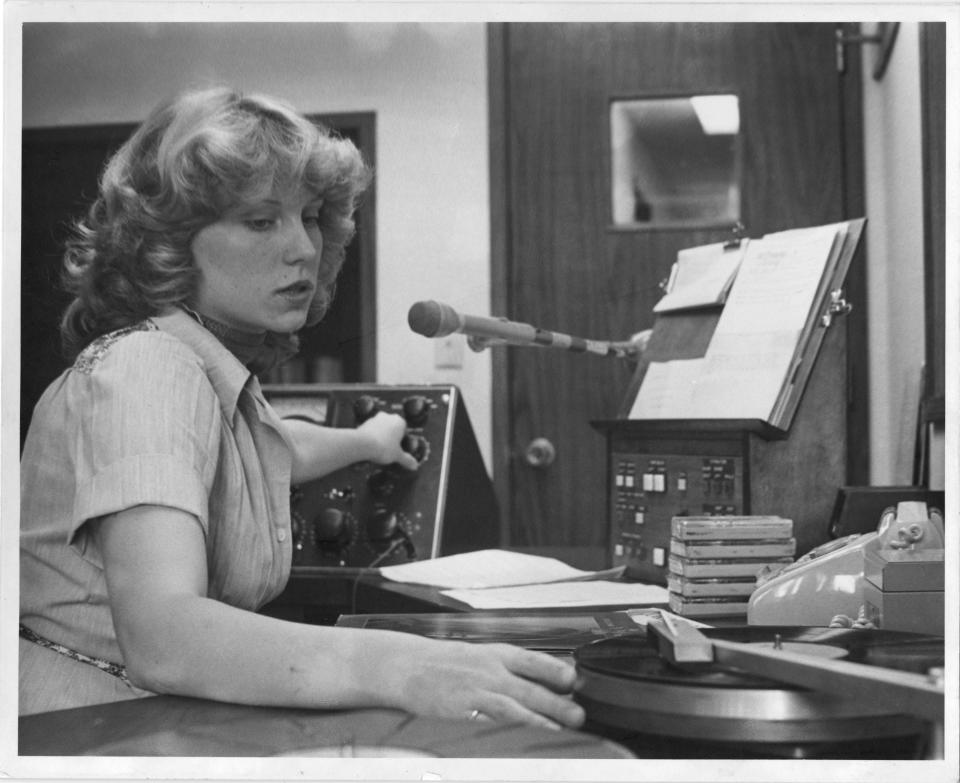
<point>858,410</point>
<point>364,125</point>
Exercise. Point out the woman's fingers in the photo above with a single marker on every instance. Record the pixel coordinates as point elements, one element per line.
<point>548,670</point>
<point>499,681</point>
<point>507,710</point>
<point>537,689</point>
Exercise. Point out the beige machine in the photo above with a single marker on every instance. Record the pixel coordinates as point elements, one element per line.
<point>891,578</point>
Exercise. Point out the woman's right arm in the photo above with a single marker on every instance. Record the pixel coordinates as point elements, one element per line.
<point>176,640</point>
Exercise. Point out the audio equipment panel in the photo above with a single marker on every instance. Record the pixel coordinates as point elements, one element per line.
<point>368,515</point>
<point>653,479</point>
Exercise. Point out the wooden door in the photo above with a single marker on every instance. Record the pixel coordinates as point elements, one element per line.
<point>558,262</point>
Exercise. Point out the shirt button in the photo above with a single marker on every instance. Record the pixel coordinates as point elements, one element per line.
<point>281,535</point>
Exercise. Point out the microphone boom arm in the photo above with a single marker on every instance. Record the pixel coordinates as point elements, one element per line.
<point>435,319</point>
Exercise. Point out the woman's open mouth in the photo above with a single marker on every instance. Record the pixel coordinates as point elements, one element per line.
<point>298,291</point>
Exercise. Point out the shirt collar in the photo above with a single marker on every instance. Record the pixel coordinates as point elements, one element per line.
<point>224,370</point>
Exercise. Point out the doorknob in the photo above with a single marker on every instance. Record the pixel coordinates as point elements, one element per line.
<point>540,453</point>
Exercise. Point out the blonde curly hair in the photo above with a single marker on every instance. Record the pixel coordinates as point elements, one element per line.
<point>196,157</point>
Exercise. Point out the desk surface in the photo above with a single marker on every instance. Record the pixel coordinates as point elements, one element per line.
<point>177,726</point>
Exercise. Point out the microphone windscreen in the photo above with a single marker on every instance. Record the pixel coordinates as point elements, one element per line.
<point>433,319</point>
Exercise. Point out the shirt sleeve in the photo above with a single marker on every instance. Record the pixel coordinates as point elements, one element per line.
<point>149,434</point>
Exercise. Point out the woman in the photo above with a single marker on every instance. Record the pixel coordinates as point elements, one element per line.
<point>155,477</point>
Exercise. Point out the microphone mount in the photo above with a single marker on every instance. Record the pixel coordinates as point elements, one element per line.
<point>436,319</point>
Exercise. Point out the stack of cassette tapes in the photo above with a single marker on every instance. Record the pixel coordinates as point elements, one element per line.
<point>715,560</point>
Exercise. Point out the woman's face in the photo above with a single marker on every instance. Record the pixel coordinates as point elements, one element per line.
<point>259,263</point>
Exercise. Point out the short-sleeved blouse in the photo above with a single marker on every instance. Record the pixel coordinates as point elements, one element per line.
<point>158,413</point>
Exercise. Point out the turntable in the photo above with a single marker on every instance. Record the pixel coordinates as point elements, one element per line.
<point>826,693</point>
<point>766,691</point>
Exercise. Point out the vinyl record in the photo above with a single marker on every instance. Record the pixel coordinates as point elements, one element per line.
<point>550,632</point>
<point>625,683</point>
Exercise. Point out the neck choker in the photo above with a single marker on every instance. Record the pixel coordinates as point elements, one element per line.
<point>248,347</point>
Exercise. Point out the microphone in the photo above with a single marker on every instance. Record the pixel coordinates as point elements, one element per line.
<point>436,319</point>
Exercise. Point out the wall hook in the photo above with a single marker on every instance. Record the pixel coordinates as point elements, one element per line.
<point>884,36</point>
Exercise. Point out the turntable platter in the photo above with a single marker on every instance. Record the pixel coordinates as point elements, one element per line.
<point>626,684</point>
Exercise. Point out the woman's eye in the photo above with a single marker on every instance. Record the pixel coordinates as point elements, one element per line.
<point>311,219</point>
<point>260,224</point>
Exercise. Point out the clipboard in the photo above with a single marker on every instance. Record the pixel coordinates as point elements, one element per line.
<point>687,335</point>
<point>829,306</point>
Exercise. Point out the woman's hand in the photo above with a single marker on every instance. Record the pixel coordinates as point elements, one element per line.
<point>382,435</point>
<point>500,681</point>
<point>319,451</point>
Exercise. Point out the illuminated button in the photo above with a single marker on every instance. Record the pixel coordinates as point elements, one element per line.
<point>659,555</point>
<point>282,535</point>
<point>659,482</point>
<point>638,517</point>
<point>628,481</point>
<point>619,480</point>
<point>647,482</point>
<point>681,483</point>
<point>618,550</point>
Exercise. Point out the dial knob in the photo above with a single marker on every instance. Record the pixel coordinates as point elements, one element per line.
<point>415,445</point>
<point>382,483</point>
<point>382,526</point>
<point>331,527</point>
<point>416,410</point>
<point>365,407</point>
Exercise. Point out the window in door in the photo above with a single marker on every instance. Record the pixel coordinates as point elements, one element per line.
<point>675,161</point>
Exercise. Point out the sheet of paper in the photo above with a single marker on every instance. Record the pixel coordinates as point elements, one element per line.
<point>742,375</point>
<point>701,277</point>
<point>562,594</point>
<point>667,390</point>
<point>484,568</point>
<point>777,282</point>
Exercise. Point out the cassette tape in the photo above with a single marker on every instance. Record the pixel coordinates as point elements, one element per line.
<point>735,548</point>
<point>723,528</point>
<point>743,568</point>
<point>704,607</point>
<point>704,588</point>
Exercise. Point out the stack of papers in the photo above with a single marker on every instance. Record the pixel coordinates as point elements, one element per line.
<point>498,579</point>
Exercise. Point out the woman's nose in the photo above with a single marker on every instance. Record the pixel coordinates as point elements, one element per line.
<point>300,244</point>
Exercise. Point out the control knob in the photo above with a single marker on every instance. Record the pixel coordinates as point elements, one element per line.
<point>415,445</point>
<point>382,483</point>
<point>365,407</point>
<point>416,410</point>
<point>382,526</point>
<point>332,529</point>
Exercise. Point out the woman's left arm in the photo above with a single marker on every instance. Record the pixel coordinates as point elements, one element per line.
<point>318,450</point>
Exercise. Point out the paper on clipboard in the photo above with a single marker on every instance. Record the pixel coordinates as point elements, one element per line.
<point>701,276</point>
<point>668,390</point>
<point>766,320</point>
